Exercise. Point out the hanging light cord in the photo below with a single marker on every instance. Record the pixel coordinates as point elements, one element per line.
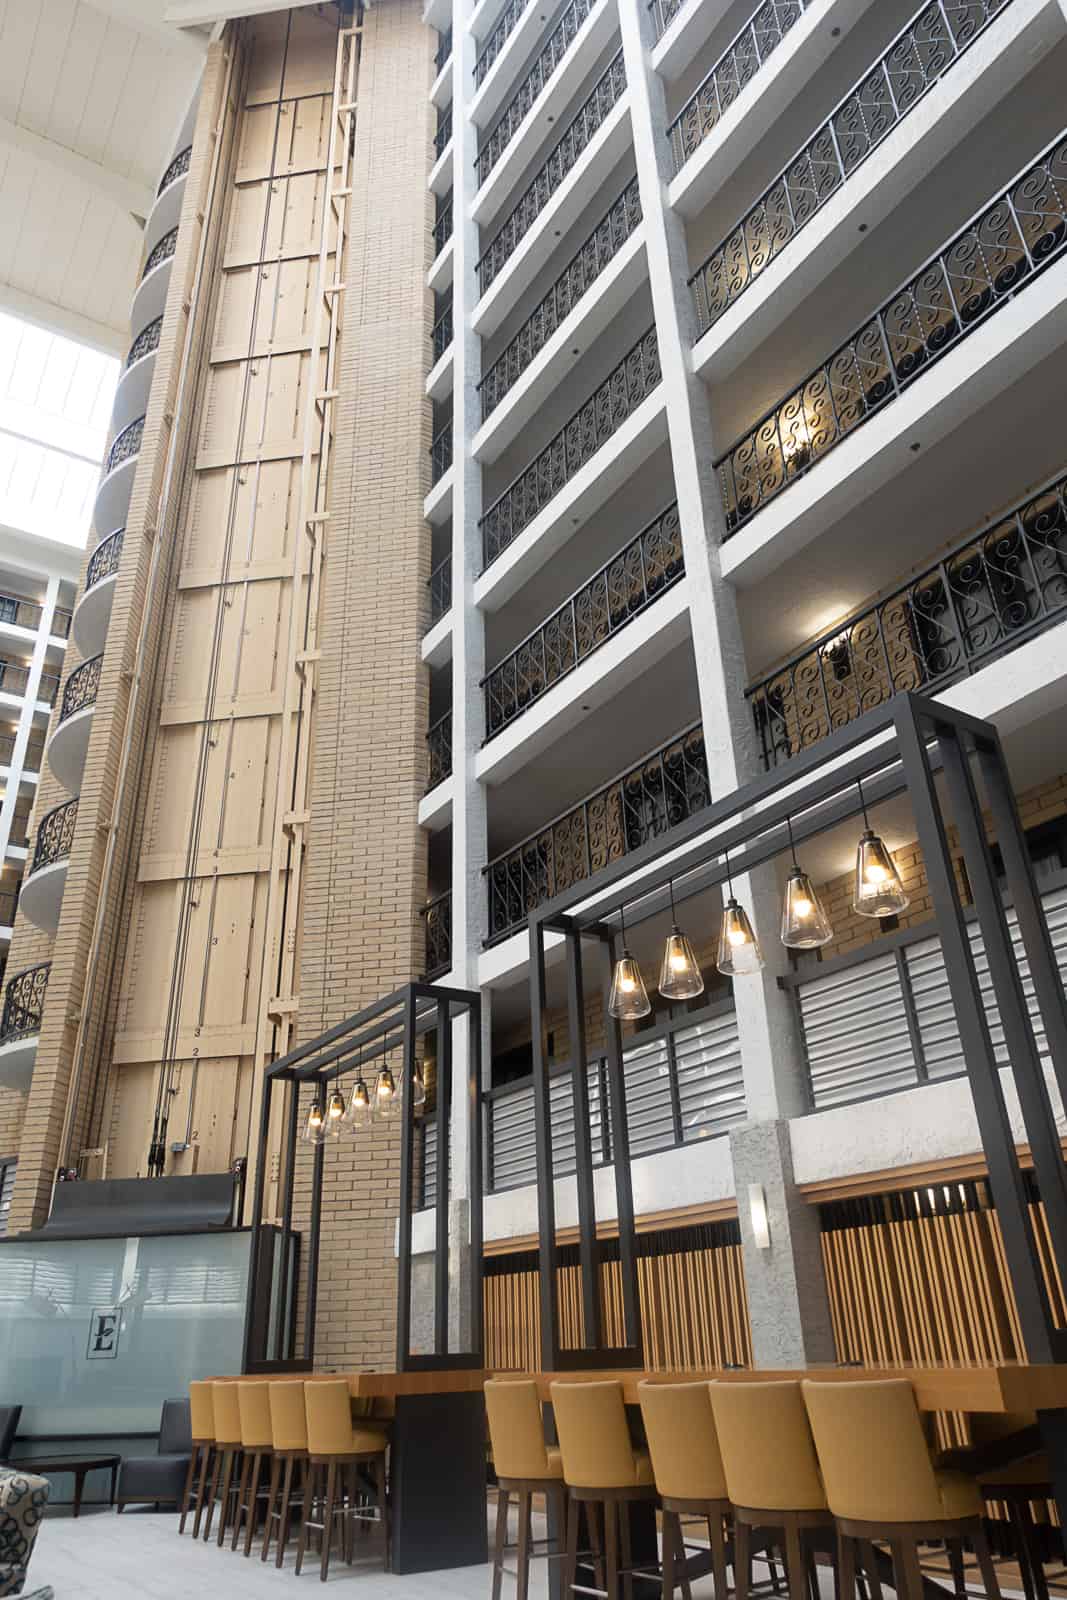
<point>622,925</point>
<point>863,805</point>
<point>670,891</point>
<point>729,878</point>
<point>792,845</point>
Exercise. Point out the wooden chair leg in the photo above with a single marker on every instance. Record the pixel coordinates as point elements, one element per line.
<point>718,1554</point>
<point>273,1508</point>
<point>985,1563</point>
<point>626,1548</point>
<point>253,1501</point>
<point>327,1520</point>
<point>311,1472</point>
<point>846,1567</point>
<point>592,1518</point>
<point>216,1467</point>
<point>869,1563</point>
<point>284,1514</point>
<point>224,1496</point>
<point>954,1551</point>
<point>681,1561</point>
<point>611,1548</point>
<point>188,1488</point>
<point>742,1559</point>
<point>909,1573</point>
<point>523,1546</point>
<point>242,1493</point>
<point>794,1560</point>
<point>570,1563</point>
<point>667,1564</point>
<point>503,1496</point>
<point>382,1482</point>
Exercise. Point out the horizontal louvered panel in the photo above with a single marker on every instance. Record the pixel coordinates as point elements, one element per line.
<point>856,1033</point>
<point>650,1115</point>
<point>711,1090</point>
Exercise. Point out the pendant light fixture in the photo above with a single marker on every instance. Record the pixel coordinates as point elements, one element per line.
<point>335,1115</point>
<point>739,951</point>
<point>805,925</point>
<point>315,1126</point>
<point>629,998</point>
<point>418,1089</point>
<point>360,1113</point>
<point>679,976</point>
<point>878,891</point>
<point>386,1095</point>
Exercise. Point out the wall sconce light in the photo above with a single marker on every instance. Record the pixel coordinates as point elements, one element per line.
<point>757,1210</point>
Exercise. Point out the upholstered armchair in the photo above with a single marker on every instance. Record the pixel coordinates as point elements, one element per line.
<point>23,1498</point>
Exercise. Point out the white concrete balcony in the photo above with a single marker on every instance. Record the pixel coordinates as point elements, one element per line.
<point>439,180</point>
<point>440,376</point>
<point>93,611</point>
<point>721,132</point>
<point>150,296</point>
<point>442,267</point>
<point>20,1026</point>
<point>795,235</point>
<point>683,30</point>
<point>135,381</point>
<point>167,210</point>
<point>113,494</point>
<point>502,54</point>
<point>70,737</point>
<point>42,888</point>
<point>441,88</point>
<point>437,506</point>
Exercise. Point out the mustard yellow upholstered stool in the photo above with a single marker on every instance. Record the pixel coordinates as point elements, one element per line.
<point>602,1472</point>
<point>253,1404</point>
<point>881,1482</point>
<point>227,1454</point>
<point>335,1445</point>
<point>772,1474</point>
<point>202,1428</point>
<point>524,1465</point>
<point>289,1454</point>
<point>690,1477</point>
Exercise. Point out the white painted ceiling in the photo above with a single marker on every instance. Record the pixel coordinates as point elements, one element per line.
<point>92,100</point>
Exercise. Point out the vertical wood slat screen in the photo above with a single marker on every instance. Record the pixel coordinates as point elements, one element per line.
<point>694,1309</point>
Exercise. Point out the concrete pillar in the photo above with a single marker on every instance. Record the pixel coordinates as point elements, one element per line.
<point>787,1294</point>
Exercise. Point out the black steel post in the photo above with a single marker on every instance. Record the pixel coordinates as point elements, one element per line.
<point>444,1119</point>
<point>314,1230</point>
<point>620,1155</point>
<point>475,1121</point>
<point>257,1226</point>
<point>588,1252</point>
<point>546,1197</point>
<point>407,1131</point>
<point>289,1159</point>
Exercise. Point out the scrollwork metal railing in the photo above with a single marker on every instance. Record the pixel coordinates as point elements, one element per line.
<point>918,57</point>
<point>582,270</point>
<point>442,333</point>
<point>55,835</point>
<point>444,131</point>
<point>146,341</point>
<point>162,252</point>
<point>1007,244</point>
<point>605,94</point>
<point>993,591</point>
<point>24,1003</point>
<point>437,915</point>
<point>440,587</point>
<point>442,228</point>
<point>126,444</point>
<point>507,125</point>
<point>581,436</point>
<point>104,562</point>
<point>499,37</point>
<point>646,801</point>
<point>439,744</point>
<point>663,14</point>
<point>177,169</point>
<point>81,687</point>
<point>638,574</point>
<point>441,453</point>
<point>739,63</point>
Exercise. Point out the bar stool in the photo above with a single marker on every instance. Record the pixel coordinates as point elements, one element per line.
<point>601,1469</point>
<point>524,1467</point>
<point>882,1484</point>
<point>202,1428</point>
<point>772,1474</point>
<point>289,1437</point>
<point>227,1449</point>
<point>689,1473</point>
<point>257,1440</point>
<point>333,1443</point>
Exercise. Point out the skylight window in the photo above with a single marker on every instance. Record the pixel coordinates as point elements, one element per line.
<point>55,403</point>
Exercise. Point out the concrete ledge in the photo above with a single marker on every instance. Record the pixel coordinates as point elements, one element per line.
<point>690,28</point>
<point>437,507</point>
<point>442,267</point>
<point>440,178</point>
<point>436,646</point>
<point>435,807</point>
<point>439,377</point>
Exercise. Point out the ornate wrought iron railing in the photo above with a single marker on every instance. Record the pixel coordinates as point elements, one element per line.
<point>177,169</point>
<point>993,591</point>
<point>582,270</point>
<point>162,252</point>
<point>444,131</point>
<point>634,577</point>
<point>146,341</point>
<point>918,57</point>
<point>24,1003</point>
<point>81,687</point>
<point>441,453</point>
<point>580,437</point>
<point>606,92</point>
<point>55,835</point>
<point>442,228</point>
<point>104,562</point>
<point>1014,237</point>
<point>125,445</point>
<point>499,37</point>
<point>642,803</point>
<point>437,915</point>
<point>663,14</point>
<point>507,125</point>
<point>440,586</point>
<point>439,744</point>
<point>739,63</point>
<point>442,333</point>
<point>444,48</point>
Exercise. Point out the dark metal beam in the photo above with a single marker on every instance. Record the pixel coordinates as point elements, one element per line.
<point>588,1252</point>
<point>546,1194</point>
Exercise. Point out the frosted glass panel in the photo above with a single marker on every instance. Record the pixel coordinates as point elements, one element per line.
<point>96,1333</point>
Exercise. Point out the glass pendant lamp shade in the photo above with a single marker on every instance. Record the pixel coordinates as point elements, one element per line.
<point>386,1096</point>
<point>360,1112</point>
<point>335,1114</point>
<point>739,951</point>
<point>878,891</point>
<point>679,976</point>
<point>418,1089</point>
<point>805,925</point>
<point>629,997</point>
<point>315,1127</point>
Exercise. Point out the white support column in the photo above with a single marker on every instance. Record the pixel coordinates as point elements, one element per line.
<point>787,1296</point>
<point>29,704</point>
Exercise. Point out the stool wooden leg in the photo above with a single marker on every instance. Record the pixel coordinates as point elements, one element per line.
<point>870,1569</point>
<point>242,1491</point>
<point>846,1567</point>
<point>273,1507</point>
<point>523,1545</point>
<point>794,1560</point>
<point>224,1496</point>
<point>718,1554</point>
<point>383,1506</point>
<point>253,1502</point>
<point>592,1517</point>
<point>311,1472</point>
<point>570,1564</point>
<point>667,1562</point>
<point>212,1491</point>
<point>188,1489</point>
<point>985,1563</point>
<point>680,1560</point>
<point>742,1559</point>
<point>327,1519</point>
<point>627,1550</point>
<point>909,1573</point>
<point>611,1548</point>
<point>954,1551</point>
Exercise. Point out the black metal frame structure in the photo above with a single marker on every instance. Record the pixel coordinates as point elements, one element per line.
<point>392,1024</point>
<point>895,748</point>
